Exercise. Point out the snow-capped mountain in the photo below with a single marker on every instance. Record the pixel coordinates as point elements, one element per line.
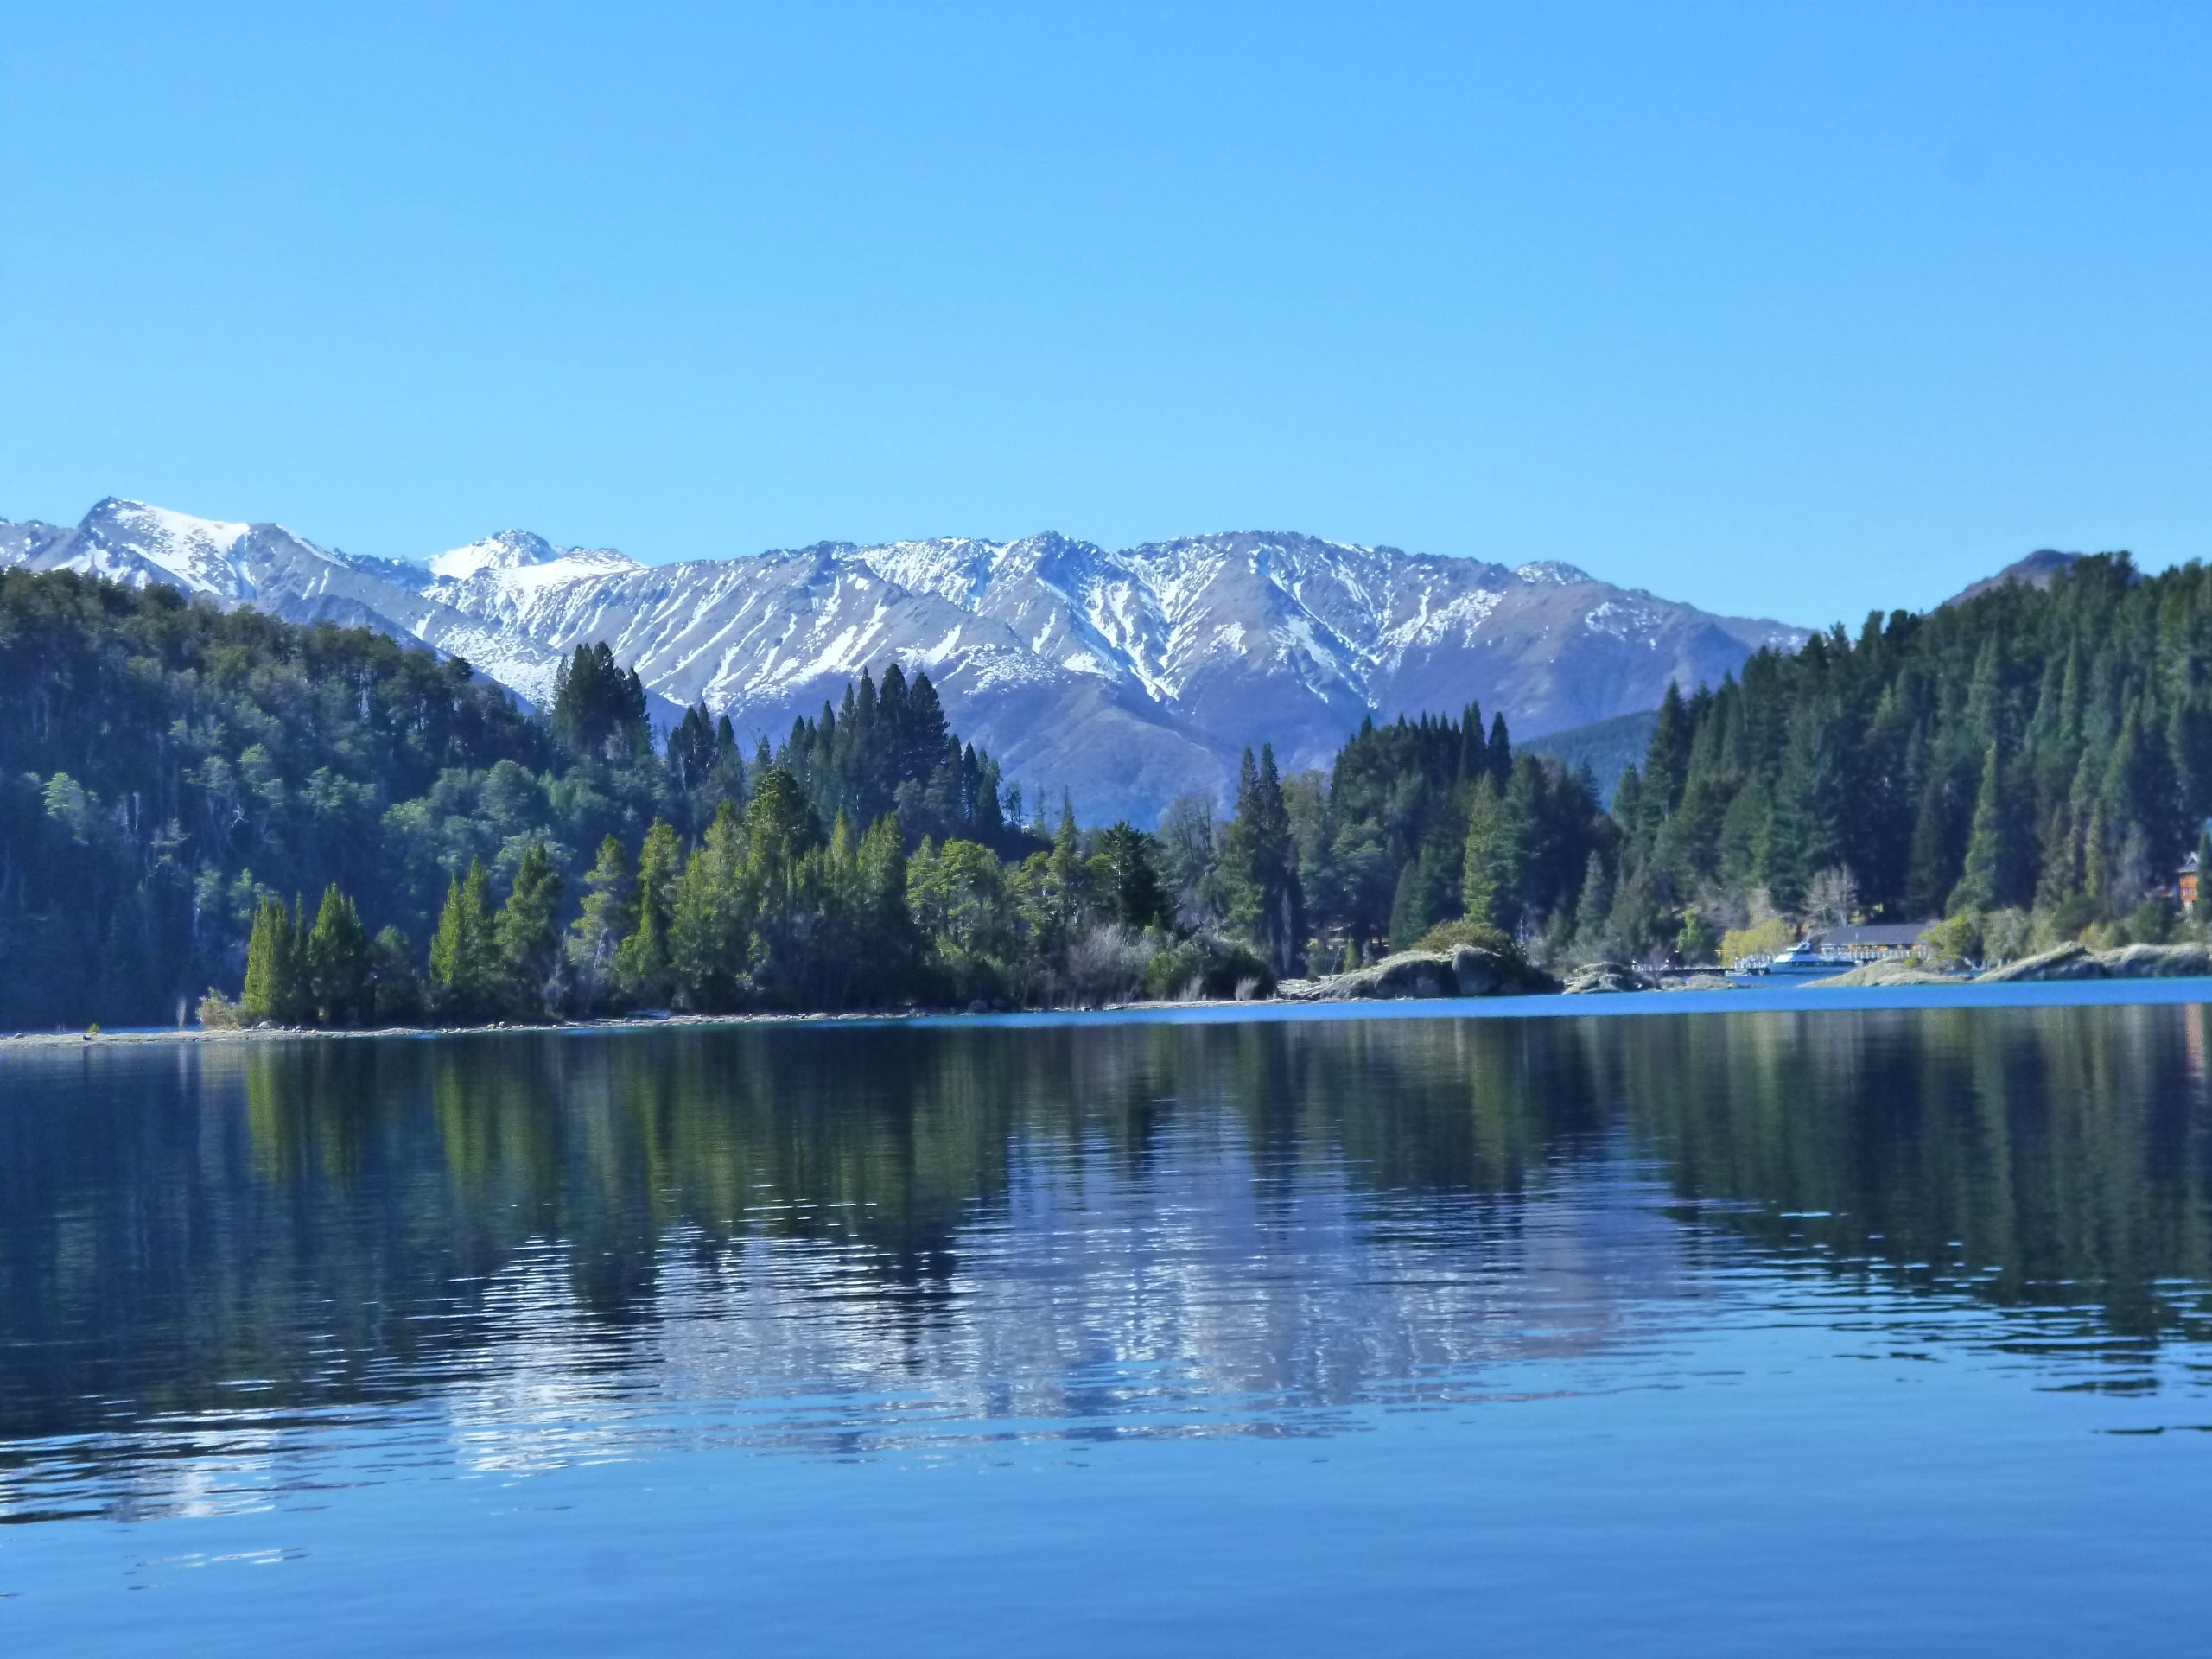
<point>1128,677</point>
<point>274,569</point>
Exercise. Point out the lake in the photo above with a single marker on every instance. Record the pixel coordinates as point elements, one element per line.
<point>1826,1331</point>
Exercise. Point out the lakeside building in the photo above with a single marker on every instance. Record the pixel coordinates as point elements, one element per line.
<point>1876,941</point>
<point>2186,885</point>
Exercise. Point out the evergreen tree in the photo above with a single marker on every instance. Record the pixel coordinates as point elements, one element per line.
<point>276,988</point>
<point>2096,858</point>
<point>1423,896</point>
<point>1988,880</point>
<point>779,832</point>
<point>1067,883</point>
<point>709,931</point>
<point>607,917</point>
<point>642,966</point>
<point>465,967</point>
<point>1258,865</point>
<point>890,945</point>
<point>1125,879</point>
<point>598,705</point>
<point>527,937</point>
<point>1806,835</point>
<point>339,962</point>
<point>1930,857</point>
<point>1486,871</point>
<point>1500,752</point>
<point>394,988</point>
<point>1666,772</point>
<point>1594,909</point>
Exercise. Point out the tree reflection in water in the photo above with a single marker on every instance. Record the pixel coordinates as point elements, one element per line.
<point>824,1236</point>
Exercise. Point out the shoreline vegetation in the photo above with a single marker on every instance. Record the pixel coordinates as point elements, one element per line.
<point>1410,977</point>
<point>291,826</point>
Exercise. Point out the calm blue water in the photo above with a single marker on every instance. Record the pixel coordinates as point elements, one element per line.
<point>1862,1328</point>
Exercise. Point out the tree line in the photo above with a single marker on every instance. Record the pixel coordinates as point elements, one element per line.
<point>321,825</point>
<point>2029,767</point>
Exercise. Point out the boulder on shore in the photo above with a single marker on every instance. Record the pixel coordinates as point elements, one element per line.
<point>1606,979</point>
<point>2156,961</point>
<point>2067,961</point>
<point>1903,970</point>
<point>2127,962</point>
<point>1467,971</point>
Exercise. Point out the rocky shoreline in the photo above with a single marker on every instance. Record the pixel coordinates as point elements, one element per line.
<point>1467,970</point>
<point>2065,962</point>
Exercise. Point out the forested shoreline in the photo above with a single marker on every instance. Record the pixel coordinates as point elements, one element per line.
<point>210,810</point>
<point>2028,768</point>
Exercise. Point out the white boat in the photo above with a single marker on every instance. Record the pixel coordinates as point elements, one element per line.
<point>1803,960</point>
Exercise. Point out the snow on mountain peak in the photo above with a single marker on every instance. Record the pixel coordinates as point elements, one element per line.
<point>506,549</point>
<point>125,539</point>
<point>1130,676</point>
<point>1552,572</point>
<point>521,559</point>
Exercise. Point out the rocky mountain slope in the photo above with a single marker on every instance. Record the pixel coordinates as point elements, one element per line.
<point>1127,676</point>
<point>2038,569</point>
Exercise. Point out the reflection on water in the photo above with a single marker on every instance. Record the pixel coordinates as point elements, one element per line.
<point>226,1270</point>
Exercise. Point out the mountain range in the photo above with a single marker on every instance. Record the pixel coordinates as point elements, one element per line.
<point>1126,677</point>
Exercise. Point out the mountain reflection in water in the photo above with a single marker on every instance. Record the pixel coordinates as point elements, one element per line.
<point>529,1250</point>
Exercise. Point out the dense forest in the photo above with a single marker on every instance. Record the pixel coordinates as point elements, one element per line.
<point>209,809</point>
<point>320,825</point>
<point>2030,765</point>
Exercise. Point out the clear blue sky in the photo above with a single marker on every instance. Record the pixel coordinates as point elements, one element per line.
<point>1778,308</point>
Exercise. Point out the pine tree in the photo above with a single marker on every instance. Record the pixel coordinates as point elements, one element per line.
<point>1423,898</point>
<point>339,962</point>
<point>395,988</point>
<point>891,945</point>
<point>2060,857</point>
<point>1666,769</point>
<point>642,961</point>
<point>275,993</point>
<point>528,936</point>
<point>596,937</point>
<point>1125,879</point>
<point>1485,860</point>
<point>1259,865</point>
<point>1500,752</point>
<point>1593,910</point>
<point>779,830</point>
<point>598,704</point>
<point>1808,806</point>
<point>1928,857</point>
<point>2096,857</point>
<point>465,976</point>
<point>1988,880</point>
<point>708,932</point>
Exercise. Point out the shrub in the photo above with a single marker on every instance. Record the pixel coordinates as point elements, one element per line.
<point>2005,935</point>
<point>1956,938</point>
<point>2151,922</point>
<point>1105,963</point>
<point>219,1013</point>
<point>1206,966</point>
<point>1761,939</point>
<point>1446,936</point>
